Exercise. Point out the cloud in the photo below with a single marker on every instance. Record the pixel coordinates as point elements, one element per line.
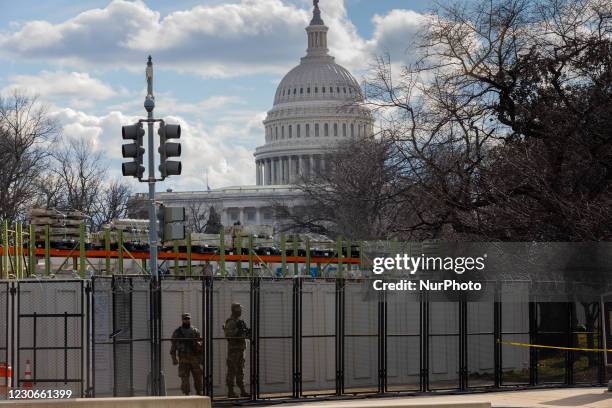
<point>223,40</point>
<point>202,149</point>
<point>220,40</point>
<point>61,84</point>
<point>396,33</point>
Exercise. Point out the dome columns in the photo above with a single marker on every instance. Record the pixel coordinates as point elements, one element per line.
<point>288,169</point>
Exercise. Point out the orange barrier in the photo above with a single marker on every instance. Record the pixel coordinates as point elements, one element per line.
<point>6,373</point>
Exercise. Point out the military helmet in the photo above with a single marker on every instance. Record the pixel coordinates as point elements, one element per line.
<point>236,305</point>
<point>186,316</point>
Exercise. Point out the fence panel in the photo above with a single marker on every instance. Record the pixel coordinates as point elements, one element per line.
<point>444,345</point>
<point>5,379</point>
<point>480,344</point>
<point>102,361</point>
<point>587,334</point>
<point>552,329</point>
<point>403,341</point>
<point>178,296</point>
<point>318,337</point>
<point>360,337</point>
<point>224,293</point>
<point>275,338</point>
<point>515,328</point>
<point>50,338</point>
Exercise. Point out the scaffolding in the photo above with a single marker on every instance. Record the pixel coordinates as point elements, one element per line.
<point>24,246</point>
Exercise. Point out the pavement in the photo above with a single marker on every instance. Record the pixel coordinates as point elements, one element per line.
<point>548,398</point>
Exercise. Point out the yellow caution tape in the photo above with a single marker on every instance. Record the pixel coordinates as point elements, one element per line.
<point>516,343</point>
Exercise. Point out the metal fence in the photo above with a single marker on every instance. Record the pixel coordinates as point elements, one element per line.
<point>310,337</point>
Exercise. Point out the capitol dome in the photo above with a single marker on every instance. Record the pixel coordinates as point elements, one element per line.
<point>316,105</point>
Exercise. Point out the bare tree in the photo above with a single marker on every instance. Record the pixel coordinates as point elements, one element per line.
<point>25,129</point>
<point>111,203</point>
<point>197,216</point>
<point>81,172</point>
<point>500,131</point>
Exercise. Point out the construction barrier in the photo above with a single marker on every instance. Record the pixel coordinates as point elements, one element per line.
<point>6,373</point>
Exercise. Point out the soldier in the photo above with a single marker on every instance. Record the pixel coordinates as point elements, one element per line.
<point>187,341</point>
<point>236,333</point>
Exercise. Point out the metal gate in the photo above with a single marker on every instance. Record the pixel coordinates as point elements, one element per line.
<point>50,344</point>
<point>121,338</point>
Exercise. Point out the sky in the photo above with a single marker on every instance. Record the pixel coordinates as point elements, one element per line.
<point>216,67</point>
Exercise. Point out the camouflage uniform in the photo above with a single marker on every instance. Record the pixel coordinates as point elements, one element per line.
<point>187,341</point>
<point>236,333</point>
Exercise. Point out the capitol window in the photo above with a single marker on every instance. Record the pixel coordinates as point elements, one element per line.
<point>282,132</point>
<point>316,89</point>
<point>331,89</point>
<point>326,130</point>
<point>323,89</point>
<point>352,130</point>
<point>337,89</point>
<point>276,133</point>
<point>298,131</point>
<point>307,130</point>
<point>335,129</point>
<point>344,129</point>
<point>290,132</point>
<point>308,90</point>
<point>316,130</point>
<point>301,91</point>
<point>294,91</point>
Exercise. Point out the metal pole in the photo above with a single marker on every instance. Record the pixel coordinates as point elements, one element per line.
<point>149,105</point>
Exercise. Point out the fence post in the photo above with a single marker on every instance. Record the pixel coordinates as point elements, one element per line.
<point>107,251</point>
<point>297,337</point>
<point>17,248</point>
<point>497,336</point>
<point>533,352</point>
<point>307,257</point>
<point>208,335</point>
<point>382,341</point>
<point>32,250</point>
<point>283,254</point>
<point>569,354</point>
<point>5,249</point>
<point>296,269</point>
<point>339,272</point>
<point>463,346</point>
<point>250,256</point>
<point>47,250</point>
<point>120,251</point>
<point>339,336</point>
<point>424,337</point>
<point>175,250</point>
<point>222,252</point>
<point>189,252</point>
<point>82,250</point>
<point>239,253</point>
<point>254,357</point>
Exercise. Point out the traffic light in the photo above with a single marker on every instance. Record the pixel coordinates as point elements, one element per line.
<point>134,150</point>
<point>169,149</point>
<point>171,223</point>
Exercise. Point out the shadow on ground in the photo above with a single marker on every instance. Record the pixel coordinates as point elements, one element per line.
<point>580,400</point>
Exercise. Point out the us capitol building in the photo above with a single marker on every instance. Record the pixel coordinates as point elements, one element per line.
<point>316,105</point>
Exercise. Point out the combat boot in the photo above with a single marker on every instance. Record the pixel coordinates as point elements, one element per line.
<point>243,393</point>
<point>231,393</point>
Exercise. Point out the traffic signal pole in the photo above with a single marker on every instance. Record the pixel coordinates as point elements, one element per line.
<point>156,377</point>
<point>134,168</point>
